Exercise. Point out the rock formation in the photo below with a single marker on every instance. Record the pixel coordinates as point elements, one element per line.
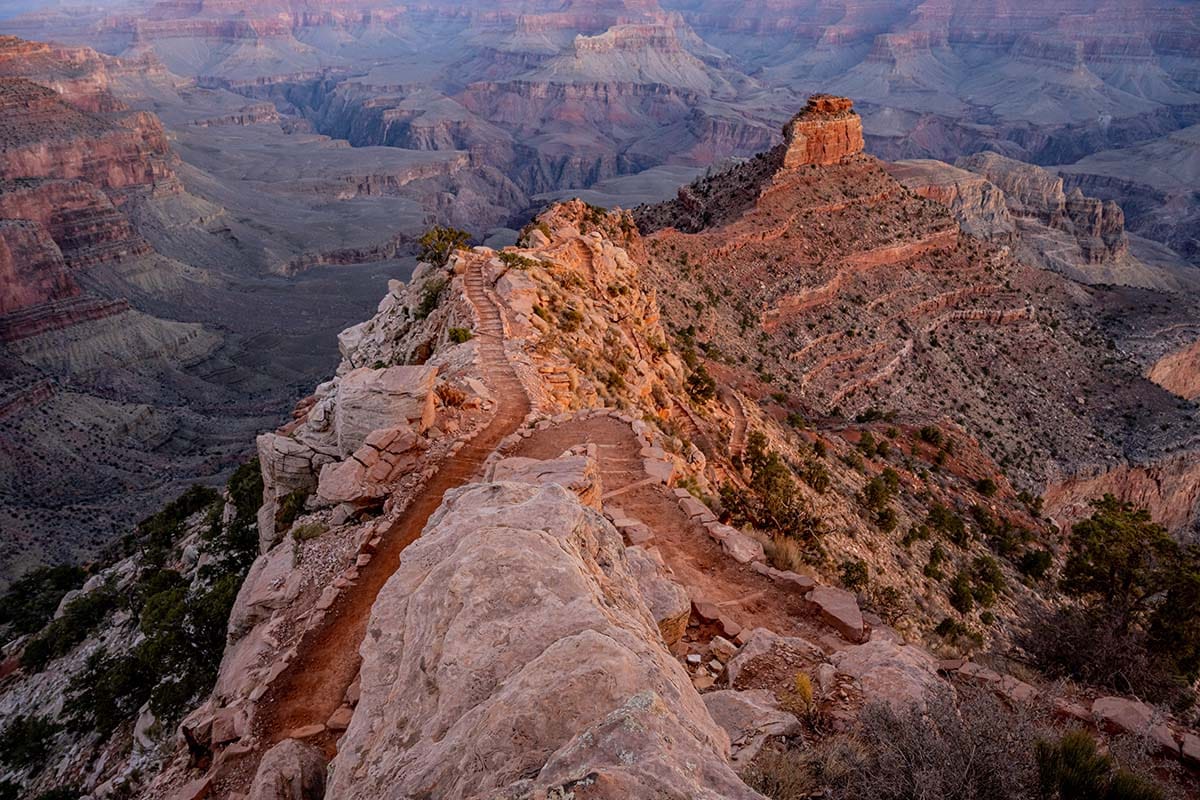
<point>824,132</point>
<point>500,502</point>
<point>978,204</point>
<point>1081,237</point>
<point>825,248</point>
<point>32,271</point>
<point>567,627</point>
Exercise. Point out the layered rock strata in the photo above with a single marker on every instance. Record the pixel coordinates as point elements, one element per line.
<point>824,132</point>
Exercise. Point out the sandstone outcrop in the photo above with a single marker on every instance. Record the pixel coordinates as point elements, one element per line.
<point>979,206</point>
<point>544,682</point>
<point>751,718</point>
<point>1179,372</point>
<point>358,437</point>
<point>1082,237</point>
<point>45,137</point>
<point>32,271</point>
<point>291,770</point>
<point>824,132</point>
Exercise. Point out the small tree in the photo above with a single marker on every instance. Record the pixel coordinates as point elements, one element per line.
<point>438,243</point>
<point>1121,557</point>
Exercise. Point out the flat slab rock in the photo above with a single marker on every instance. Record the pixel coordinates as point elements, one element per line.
<point>1121,715</point>
<point>896,674</point>
<point>742,548</point>
<point>768,658</point>
<point>839,610</point>
<point>579,474</point>
<point>750,718</point>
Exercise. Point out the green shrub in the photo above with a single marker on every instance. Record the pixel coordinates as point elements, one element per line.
<point>1124,561</point>
<point>816,475</point>
<point>517,261</point>
<point>31,601</point>
<point>987,579</point>
<point>1035,563</point>
<point>183,626</point>
<point>986,487</point>
<point>156,535</point>
<point>931,435</point>
<point>460,335</point>
<point>879,491</point>
<point>79,619</point>
<point>26,741</point>
<point>887,519</point>
<point>774,503</point>
<point>1073,769</point>
<point>431,296</point>
<point>700,385</point>
<point>916,533</point>
<point>942,519</point>
<point>290,508</point>
<point>962,599</point>
<point>933,568</point>
<point>854,574</point>
<point>570,318</point>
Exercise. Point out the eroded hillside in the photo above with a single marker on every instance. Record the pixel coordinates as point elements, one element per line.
<point>552,529</point>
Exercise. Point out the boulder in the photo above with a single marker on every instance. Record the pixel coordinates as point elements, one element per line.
<point>722,649</point>
<point>535,684</point>
<point>228,725</point>
<point>519,291</point>
<point>667,600</point>
<point>742,548</point>
<point>839,610</point>
<point>386,456</point>
<point>271,583</point>
<point>696,511</point>
<point>896,674</point>
<point>1191,749</point>
<point>781,656</point>
<point>371,399</point>
<point>750,718</point>
<point>290,770</point>
<point>579,474</point>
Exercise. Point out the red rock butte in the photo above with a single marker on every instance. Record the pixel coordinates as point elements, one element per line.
<point>824,132</point>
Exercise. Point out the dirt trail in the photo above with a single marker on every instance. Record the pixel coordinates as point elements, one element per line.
<point>738,438</point>
<point>698,563</point>
<point>315,683</point>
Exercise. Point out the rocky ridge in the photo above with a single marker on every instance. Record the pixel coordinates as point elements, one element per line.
<point>656,628</point>
<point>558,465</point>
<point>827,258</point>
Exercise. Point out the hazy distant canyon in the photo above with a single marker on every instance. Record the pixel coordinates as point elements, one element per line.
<point>199,194</point>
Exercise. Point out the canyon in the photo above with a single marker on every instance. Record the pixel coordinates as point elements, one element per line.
<point>537,412</point>
<point>737,375</point>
